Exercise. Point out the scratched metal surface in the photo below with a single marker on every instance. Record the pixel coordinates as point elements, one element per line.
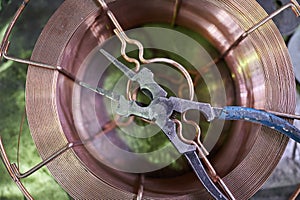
<point>285,177</point>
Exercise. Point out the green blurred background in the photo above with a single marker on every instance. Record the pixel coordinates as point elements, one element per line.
<point>12,101</point>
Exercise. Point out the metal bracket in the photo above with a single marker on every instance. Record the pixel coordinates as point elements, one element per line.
<point>15,173</point>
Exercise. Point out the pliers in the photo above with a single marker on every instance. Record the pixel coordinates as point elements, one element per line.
<point>161,109</point>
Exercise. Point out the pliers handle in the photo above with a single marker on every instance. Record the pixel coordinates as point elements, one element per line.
<point>260,117</point>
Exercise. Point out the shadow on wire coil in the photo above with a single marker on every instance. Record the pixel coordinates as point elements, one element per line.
<point>242,61</point>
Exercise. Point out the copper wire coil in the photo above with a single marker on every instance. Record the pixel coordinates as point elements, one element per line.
<point>263,78</point>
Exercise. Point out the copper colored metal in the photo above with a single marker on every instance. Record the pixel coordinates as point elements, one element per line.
<point>285,115</point>
<point>175,11</point>
<point>294,5</point>
<point>11,172</point>
<point>198,133</point>
<point>221,22</point>
<point>212,172</point>
<point>124,39</point>
<point>69,36</point>
<point>44,162</point>
<point>141,188</point>
<point>19,137</point>
<point>5,43</point>
<point>296,194</point>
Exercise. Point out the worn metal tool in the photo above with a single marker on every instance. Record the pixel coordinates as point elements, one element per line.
<point>173,104</point>
<point>161,109</point>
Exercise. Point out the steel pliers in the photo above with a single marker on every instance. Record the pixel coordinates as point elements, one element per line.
<point>162,107</point>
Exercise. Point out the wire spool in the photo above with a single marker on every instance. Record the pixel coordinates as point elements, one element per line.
<point>261,75</point>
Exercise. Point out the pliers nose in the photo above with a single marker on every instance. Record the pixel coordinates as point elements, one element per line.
<point>144,77</point>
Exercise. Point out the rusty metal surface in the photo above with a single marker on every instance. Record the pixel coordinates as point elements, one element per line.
<point>248,156</point>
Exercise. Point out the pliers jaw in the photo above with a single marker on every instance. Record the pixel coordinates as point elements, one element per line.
<point>160,111</point>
